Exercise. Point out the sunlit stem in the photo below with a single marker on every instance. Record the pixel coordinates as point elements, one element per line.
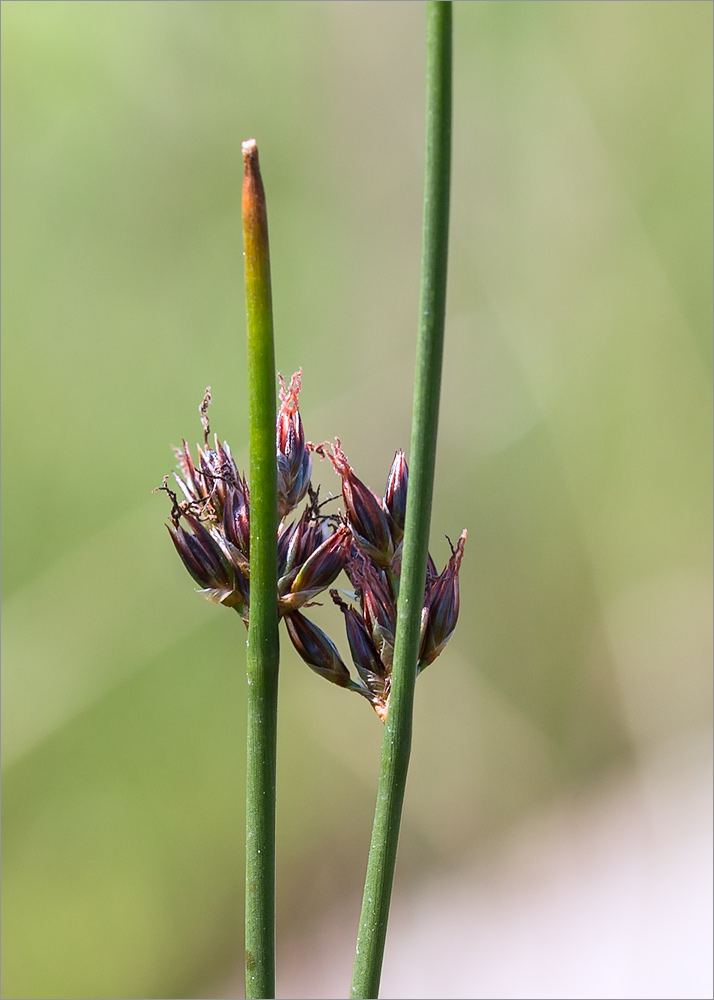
<point>263,643</point>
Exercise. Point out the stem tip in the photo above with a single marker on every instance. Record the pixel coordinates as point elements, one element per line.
<point>250,151</point>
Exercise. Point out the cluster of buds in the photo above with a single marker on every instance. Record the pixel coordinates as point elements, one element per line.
<point>210,528</point>
<point>377,526</point>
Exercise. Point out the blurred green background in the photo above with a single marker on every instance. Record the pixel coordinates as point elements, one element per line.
<point>575,440</point>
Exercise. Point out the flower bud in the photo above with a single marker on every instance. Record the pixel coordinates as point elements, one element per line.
<point>201,555</point>
<point>294,460</point>
<point>221,581</point>
<point>364,654</point>
<point>441,608</point>
<point>320,570</point>
<point>236,516</point>
<point>297,542</point>
<point>395,495</point>
<point>364,510</point>
<point>317,649</point>
<point>378,606</point>
<point>380,614</point>
<point>286,540</point>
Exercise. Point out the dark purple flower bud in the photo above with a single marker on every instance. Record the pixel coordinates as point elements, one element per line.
<point>395,495</point>
<point>294,460</point>
<point>297,541</point>
<point>202,556</point>
<point>216,510</point>
<point>320,570</point>
<point>236,516</point>
<point>191,555</point>
<point>441,608</point>
<point>286,545</point>
<point>368,521</point>
<point>317,649</point>
<point>378,607</point>
<point>380,614</point>
<point>364,654</point>
<point>209,565</point>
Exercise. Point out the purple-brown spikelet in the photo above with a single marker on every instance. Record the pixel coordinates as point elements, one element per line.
<point>317,649</point>
<point>294,460</point>
<point>441,607</point>
<point>395,496</point>
<point>366,517</point>
<point>373,673</point>
<point>236,516</point>
<point>320,569</point>
<point>378,604</point>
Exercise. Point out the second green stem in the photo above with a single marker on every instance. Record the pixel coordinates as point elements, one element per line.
<point>396,745</point>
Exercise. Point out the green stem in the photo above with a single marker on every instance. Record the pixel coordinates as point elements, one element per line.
<point>432,303</point>
<point>263,642</point>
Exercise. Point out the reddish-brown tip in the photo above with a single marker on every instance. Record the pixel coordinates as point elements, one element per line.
<point>255,218</point>
<point>250,150</point>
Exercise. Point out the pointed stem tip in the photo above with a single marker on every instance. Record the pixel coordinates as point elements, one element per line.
<point>250,160</point>
<point>255,216</point>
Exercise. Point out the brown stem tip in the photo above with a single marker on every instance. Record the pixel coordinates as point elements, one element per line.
<point>251,173</point>
<point>250,150</point>
<point>255,222</point>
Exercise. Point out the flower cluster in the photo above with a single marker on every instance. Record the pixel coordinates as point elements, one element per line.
<point>377,527</point>
<point>210,528</point>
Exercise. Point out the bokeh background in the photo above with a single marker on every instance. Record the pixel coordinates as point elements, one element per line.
<point>558,808</point>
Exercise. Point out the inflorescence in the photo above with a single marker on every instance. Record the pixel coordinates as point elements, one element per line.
<point>210,527</point>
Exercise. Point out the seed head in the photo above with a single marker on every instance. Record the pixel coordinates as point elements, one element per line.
<point>214,539</point>
<point>210,528</point>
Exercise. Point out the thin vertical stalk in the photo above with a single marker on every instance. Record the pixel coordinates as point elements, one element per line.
<point>432,303</point>
<point>263,642</point>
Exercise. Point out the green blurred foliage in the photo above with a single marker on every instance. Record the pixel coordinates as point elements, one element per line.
<point>575,436</point>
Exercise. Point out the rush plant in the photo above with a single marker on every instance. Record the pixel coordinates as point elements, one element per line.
<point>263,546</point>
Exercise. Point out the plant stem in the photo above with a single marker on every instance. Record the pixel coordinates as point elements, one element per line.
<point>432,303</point>
<point>263,642</point>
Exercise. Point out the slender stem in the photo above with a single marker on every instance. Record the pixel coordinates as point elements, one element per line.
<point>263,642</point>
<point>398,728</point>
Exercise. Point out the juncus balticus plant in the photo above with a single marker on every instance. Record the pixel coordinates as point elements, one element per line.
<point>258,555</point>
